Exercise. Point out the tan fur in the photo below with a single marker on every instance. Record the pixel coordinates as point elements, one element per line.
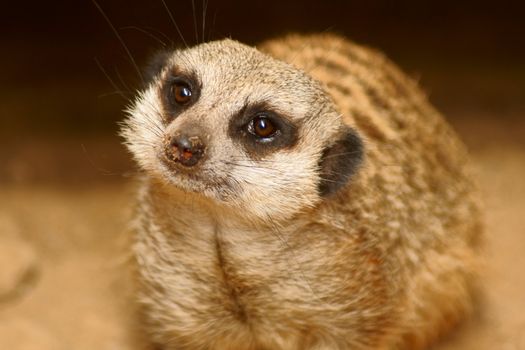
<point>267,263</point>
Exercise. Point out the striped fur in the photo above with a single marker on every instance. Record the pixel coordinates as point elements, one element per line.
<point>388,262</point>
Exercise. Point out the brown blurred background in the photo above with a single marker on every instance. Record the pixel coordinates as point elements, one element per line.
<point>65,180</point>
<point>55,101</point>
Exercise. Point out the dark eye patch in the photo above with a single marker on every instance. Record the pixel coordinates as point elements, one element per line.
<point>258,145</point>
<point>155,65</point>
<point>178,85</point>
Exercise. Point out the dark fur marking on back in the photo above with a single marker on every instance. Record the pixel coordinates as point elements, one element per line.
<point>366,125</point>
<point>336,68</point>
<point>377,99</point>
<point>342,89</point>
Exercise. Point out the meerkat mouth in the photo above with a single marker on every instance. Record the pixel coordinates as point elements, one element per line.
<point>198,181</point>
<point>188,180</point>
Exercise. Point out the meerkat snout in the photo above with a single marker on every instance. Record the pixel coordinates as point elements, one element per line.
<point>185,149</point>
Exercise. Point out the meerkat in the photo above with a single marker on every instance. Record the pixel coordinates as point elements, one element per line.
<point>301,194</point>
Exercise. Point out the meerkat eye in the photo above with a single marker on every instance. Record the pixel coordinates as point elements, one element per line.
<point>262,126</point>
<point>181,92</point>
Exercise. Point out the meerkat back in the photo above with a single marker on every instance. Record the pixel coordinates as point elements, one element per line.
<point>298,195</point>
<point>425,198</point>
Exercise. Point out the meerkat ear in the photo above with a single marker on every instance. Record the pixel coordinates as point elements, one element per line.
<point>155,65</point>
<point>340,161</point>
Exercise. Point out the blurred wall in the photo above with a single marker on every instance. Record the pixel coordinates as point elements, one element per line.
<point>55,97</point>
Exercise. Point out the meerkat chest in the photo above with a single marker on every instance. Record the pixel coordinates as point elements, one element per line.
<point>209,274</point>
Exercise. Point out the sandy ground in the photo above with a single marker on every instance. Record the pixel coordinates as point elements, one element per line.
<point>64,248</point>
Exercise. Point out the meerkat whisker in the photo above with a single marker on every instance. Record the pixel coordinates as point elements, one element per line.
<point>147,32</point>
<point>119,91</point>
<point>174,23</point>
<point>117,35</point>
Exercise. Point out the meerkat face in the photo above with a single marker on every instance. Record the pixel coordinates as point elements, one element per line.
<point>242,129</point>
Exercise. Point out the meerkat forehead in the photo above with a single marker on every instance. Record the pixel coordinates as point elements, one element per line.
<point>235,75</point>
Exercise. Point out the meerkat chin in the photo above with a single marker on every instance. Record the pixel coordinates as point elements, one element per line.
<point>298,195</point>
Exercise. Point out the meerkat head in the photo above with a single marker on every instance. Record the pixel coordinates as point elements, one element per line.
<point>242,129</point>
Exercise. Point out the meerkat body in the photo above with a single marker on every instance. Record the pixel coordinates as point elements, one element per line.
<point>300,196</point>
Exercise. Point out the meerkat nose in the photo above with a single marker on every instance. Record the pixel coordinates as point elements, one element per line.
<point>186,150</point>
